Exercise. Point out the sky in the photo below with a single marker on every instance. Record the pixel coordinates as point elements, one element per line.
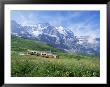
<point>82,23</point>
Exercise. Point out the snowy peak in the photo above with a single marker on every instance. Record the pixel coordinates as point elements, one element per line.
<point>61,30</point>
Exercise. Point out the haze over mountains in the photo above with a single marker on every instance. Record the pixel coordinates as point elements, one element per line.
<point>58,37</point>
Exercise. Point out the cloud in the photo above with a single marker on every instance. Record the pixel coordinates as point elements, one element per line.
<point>22,18</point>
<point>86,28</point>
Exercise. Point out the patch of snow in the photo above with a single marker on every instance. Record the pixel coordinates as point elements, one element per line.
<point>22,32</point>
<point>36,33</point>
<point>40,27</point>
<point>15,33</point>
<point>88,52</point>
<point>61,30</point>
<point>50,35</point>
<point>66,50</point>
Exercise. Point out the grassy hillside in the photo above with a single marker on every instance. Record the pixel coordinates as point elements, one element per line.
<point>68,65</point>
<point>20,44</point>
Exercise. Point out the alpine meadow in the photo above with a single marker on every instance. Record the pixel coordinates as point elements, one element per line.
<point>55,43</point>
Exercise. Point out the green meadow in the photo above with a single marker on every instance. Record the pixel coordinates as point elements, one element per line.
<point>67,65</point>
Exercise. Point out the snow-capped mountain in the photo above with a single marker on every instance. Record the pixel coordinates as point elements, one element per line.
<point>58,37</point>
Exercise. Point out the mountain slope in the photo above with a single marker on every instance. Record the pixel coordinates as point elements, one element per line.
<point>20,44</point>
<point>58,37</point>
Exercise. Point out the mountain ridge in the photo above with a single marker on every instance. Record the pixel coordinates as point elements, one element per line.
<point>58,37</point>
